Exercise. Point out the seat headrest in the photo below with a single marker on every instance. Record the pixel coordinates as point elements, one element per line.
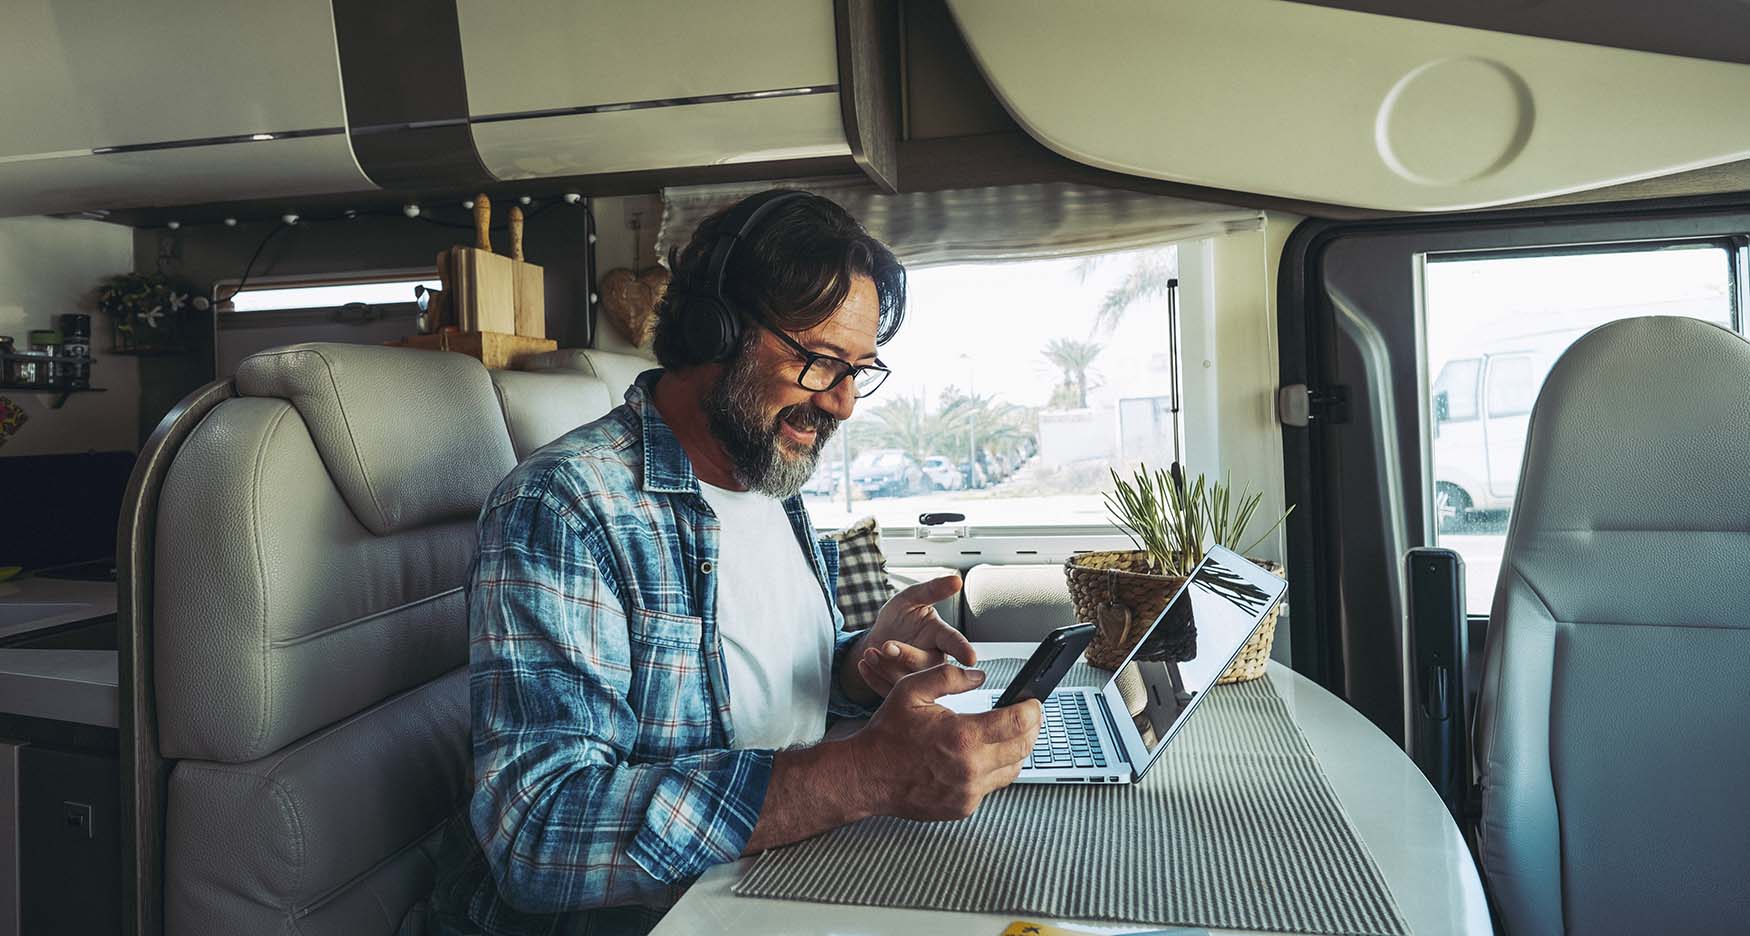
<point>409,437</point>
<point>540,406</point>
<point>616,370</point>
<point>1641,425</point>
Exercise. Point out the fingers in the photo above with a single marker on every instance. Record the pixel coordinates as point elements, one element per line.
<point>1011,722</point>
<point>882,666</point>
<point>952,642</point>
<point>938,681</point>
<point>930,592</point>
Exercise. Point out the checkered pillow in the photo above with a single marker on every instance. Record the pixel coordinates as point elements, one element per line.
<point>863,585</point>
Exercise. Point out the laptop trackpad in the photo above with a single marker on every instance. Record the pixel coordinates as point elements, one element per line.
<point>968,703</point>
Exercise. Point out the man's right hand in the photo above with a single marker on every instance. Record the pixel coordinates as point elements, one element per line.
<point>921,761</point>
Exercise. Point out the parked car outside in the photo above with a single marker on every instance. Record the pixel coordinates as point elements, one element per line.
<point>942,473</point>
<point>887,473</point>
<point>825,481</point>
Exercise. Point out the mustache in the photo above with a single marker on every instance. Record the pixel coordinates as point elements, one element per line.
<point>808,416</point>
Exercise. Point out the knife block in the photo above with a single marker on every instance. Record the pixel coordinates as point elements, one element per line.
<point>497,350</point>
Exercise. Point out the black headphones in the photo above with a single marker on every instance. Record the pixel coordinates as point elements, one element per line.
<point>710,326</point>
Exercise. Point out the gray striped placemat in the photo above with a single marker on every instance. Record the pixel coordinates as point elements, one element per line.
<point>1236,828</point>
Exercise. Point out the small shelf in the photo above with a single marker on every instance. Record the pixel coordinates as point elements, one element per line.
<point>60,392</point>
<point>149,352</point>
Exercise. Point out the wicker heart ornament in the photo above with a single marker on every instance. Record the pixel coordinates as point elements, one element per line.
<point>630,301</point>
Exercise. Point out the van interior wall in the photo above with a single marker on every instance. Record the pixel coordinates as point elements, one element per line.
<point>618,244</point>
<point>48,267</point>
<point>1229,358</point>
<point>207,253</point>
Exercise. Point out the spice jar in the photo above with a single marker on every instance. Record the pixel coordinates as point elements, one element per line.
<point>46,344</point>
<point>76,344</point>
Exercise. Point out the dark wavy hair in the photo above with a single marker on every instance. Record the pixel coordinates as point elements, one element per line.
<point>792,271</point>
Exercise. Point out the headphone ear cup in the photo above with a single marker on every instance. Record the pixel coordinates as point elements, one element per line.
<point>710,329</point>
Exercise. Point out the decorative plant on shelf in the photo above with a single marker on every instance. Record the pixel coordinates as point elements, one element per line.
<point>147,311</point>
<point>1173,522</point>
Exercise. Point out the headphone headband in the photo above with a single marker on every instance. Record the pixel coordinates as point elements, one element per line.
<point>712,326</point>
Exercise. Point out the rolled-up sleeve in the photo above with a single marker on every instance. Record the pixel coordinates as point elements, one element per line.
<point>566,821</point>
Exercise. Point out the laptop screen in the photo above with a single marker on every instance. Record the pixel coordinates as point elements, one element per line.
<point>1191,644</point>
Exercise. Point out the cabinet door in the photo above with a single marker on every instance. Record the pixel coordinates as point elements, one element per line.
<point>69,825</point>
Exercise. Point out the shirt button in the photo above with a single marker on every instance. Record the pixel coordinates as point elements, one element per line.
<point>706,566</point>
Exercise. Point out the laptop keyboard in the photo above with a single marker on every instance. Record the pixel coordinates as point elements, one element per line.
<point>1067,738</point>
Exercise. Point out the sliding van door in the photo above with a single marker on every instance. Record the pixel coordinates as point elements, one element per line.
<point>1422,345</point>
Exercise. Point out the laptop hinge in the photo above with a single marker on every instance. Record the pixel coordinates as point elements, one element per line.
<point>1123,753</point>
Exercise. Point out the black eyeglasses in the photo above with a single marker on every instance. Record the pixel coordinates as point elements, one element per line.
<point>822,372</point>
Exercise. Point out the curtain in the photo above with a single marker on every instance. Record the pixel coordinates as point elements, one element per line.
<point>1013,222</point>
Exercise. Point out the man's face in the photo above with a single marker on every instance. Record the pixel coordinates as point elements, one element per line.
<point>772,427</point>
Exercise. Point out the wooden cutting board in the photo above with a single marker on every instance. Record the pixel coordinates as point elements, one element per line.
<point>481,284</point>
<point>531,284</point>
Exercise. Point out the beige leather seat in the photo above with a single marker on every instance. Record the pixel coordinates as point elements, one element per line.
<point>553,393</point>
<point>1610,730</point>
<point>1016,602</point>
<point>295,698</point>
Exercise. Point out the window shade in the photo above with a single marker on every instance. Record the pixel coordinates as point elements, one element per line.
<point>1014,222</point>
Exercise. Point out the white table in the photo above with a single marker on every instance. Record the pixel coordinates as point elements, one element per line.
<point>1403,823</point>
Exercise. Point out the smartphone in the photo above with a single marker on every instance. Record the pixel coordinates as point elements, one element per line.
<point>1045,668</point>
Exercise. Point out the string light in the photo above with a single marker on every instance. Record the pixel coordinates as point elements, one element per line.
<point>410,209</point>
<point>173,225</point>
<point>572,198</point>
<point>289,218</point>
<point>230,222</point>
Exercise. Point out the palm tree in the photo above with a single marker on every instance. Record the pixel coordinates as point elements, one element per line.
<point>1149,276</point>
<point>994,427</point>
<point>901,423</point>
<point>1075,360</point>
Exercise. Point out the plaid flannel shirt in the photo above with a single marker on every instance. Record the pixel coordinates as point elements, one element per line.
<point>604,769</point>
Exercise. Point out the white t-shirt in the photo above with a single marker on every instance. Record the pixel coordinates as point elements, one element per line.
<point>774,621</point>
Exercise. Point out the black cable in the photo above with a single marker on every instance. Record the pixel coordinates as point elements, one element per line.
<point>249,267</point>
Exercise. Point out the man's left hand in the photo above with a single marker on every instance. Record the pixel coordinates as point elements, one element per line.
<point>908,636</point>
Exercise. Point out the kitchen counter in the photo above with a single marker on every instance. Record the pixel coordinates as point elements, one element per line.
<point>77,686</point>
<point>28,603</point>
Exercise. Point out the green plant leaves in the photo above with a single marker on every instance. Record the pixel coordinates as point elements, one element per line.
<point>1174,521</point>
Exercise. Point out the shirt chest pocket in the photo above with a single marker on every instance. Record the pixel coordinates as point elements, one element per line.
<point>669,690</point>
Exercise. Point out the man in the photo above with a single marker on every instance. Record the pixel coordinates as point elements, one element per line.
<point>655,648</point>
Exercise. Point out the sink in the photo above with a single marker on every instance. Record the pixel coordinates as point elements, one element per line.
<point>16,613</point>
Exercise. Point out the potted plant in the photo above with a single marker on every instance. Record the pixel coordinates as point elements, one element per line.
<point>146,312</point>
<point>1172,522</point>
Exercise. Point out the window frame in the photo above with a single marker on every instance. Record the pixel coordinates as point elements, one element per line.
<point>1351,330</point>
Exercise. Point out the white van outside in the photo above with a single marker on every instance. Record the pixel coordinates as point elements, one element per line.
<point>1482,397</point>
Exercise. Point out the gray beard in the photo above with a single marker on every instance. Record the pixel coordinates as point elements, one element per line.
<point>735,411</point>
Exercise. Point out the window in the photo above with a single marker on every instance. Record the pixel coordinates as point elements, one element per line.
<point>1511,385</point>
<point>1511,315</point>
<point>280,298</point>
<point>1455,392</point>
<point>359,308</point>
<point>1016,387</point>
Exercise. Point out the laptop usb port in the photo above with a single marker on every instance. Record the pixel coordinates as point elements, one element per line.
<point>1074,779</point>
<point>1097,780</point>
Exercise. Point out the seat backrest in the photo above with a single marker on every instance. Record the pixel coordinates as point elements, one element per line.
<point>1610,726</point>
<point>308,632</point>
<point>540,406</point>
<point>1016,602</point>
<point>611,367</point>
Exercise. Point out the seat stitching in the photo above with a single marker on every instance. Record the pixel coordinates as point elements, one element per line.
<point>364,472</point>
<point>263,715</point>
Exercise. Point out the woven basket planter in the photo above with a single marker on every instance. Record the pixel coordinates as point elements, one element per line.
<point>1115,591</point>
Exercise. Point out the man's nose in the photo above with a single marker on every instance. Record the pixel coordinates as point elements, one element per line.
<point>840,401</point>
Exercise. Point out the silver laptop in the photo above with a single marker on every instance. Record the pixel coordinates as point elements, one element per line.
<point>1113,734</point>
